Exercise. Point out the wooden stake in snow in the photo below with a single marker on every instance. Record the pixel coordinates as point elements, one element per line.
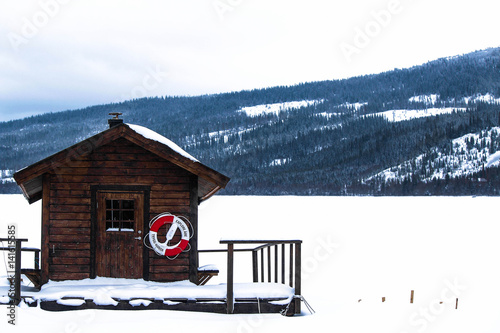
<point>411,296</point>
<point>456,303</point>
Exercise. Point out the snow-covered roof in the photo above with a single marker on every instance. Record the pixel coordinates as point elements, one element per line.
<point>152,135</point>
<point>209,180</point>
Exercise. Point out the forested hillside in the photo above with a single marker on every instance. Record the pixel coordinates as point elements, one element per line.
<point>339,137</point>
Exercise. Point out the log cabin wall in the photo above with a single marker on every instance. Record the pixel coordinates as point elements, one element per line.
<point>68,215</point>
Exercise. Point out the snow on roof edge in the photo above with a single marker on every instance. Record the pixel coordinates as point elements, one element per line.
<point>152,135</point>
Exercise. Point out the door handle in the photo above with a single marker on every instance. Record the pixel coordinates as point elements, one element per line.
<point>137,237</point>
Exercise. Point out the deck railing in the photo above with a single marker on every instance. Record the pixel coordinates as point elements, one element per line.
<point>16,271</point>
<point>277,256</point>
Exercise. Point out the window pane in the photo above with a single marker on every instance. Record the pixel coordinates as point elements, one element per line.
<point>127,226</point>
<point>127,204</point>
<point>120,215</point>
<point>128,215</point>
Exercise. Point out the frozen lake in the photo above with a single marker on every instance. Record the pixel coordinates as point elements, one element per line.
<point>356,250</point>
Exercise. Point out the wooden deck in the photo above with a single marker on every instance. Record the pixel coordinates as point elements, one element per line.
<point>133,294</point>
<point>256,297</point>
<point>241,306</point>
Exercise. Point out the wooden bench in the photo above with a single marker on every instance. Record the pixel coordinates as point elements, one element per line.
<point>34,275</point>
<point>205,273</point>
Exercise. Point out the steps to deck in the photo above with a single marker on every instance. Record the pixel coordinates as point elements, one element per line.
<point>33,275</point>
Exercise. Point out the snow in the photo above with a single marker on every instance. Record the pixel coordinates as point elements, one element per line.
<point>138,302</point>
<point>208,268</point>
<point>488,98</point>
<point>279,161</point>
<point>6,176</point>
<point>122,229</point>
<point>403,115</point>
<point>463,159</point>
<point>276,108</point>
<point>428,99</point>
<point>356,106</point>
<point>225,134</point>
<point>105,291</point>
<point>71,302</point>
<point>328,115</point>
<point>493,159</point>
<point>219,133</point>
<point>353,106</point>
<point>356,250</point>
<point>152,135</point>
<point>433,98</point>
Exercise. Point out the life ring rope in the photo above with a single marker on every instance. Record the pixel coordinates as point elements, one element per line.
<point>176,222</point>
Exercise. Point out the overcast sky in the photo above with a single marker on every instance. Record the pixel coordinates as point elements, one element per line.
<point>65,54</point>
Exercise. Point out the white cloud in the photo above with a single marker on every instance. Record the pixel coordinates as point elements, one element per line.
<point>78,53</point>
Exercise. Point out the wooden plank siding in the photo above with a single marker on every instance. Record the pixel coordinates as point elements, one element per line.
<point>67,229</point>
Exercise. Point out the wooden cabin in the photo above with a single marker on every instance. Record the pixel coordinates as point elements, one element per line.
<point>99,195</point>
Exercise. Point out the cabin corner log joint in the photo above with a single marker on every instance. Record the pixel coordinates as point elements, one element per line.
<point>99,195</point>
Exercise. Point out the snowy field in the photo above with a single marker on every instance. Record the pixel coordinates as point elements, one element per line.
<point>356,250</point>
<point>275,108</point>
<point>404,115</point>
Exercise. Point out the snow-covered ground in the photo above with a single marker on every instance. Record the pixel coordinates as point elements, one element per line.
<point>433,98</point>
<point>356,250</point>
<point>429,99</point>
<point>403,115</point>
<point>6,176</point>
<point>356,106</point>
<point>469,154</point>
<point>276,108</point>
<point>488,98</point>
<point>105,291</point>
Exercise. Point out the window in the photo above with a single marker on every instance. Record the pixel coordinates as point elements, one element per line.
<point>120,215</point>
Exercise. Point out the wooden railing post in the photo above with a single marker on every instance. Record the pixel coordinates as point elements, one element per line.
<point>283,263</point>
<point>230,278</point>
<point>294,266</point>
<point>262,265</point>
<point>255,267</point>
<point>290,282</point>
<point>269,264</point>
<point>276,263</point>
<point>37,259</point>
<point>298,281</point>
<point>17,280</point>
<point>17,265</point>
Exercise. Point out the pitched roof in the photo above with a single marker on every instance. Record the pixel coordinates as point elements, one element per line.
<point>209,180</point>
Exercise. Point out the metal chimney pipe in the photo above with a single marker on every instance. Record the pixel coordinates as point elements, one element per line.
<point>115,121</point>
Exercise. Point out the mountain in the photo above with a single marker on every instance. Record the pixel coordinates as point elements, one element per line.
<point>325,138</point>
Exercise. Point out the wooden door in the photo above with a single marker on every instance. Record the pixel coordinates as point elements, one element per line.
<point>120,221</point>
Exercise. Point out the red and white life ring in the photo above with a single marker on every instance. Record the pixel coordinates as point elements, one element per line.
<point>163,249</point>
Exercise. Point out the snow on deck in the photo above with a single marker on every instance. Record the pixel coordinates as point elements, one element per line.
<point>105,291</point>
